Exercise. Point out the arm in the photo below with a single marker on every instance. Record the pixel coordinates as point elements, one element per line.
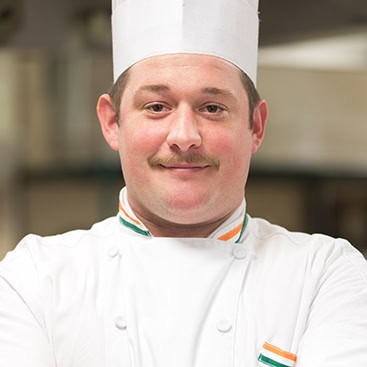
<point>336,333</point>
<point>23,342</point>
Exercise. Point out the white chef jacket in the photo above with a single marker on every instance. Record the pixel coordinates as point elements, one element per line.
<point>114,296</point>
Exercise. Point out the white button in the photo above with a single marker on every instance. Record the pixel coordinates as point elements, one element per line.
<point>239,252</point>
<point>224,326</point>
<point>120,322</point>
<point>113,252</point>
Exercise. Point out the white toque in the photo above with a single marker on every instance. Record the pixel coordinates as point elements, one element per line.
<point>223,28</point>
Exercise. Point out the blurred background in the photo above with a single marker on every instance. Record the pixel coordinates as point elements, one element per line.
<point>57,173</point>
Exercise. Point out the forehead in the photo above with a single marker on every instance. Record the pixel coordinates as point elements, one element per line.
<point>182,70</point>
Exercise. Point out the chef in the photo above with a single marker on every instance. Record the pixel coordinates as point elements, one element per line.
<point>183,276</point>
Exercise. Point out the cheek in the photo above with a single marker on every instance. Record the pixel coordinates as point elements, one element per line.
<point>138,138</point>
<point>136,143</point>
<point>234,152</point>
<point>232,145</point>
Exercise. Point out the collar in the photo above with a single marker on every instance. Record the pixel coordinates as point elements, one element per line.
<point>231,230</point>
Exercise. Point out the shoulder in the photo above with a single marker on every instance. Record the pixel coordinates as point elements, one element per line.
<point>317,251</point>
<point>326,277</point>
<point>35,253</point>
<point>41,268</point>
<point>47,275</point>
<point>262,231</point>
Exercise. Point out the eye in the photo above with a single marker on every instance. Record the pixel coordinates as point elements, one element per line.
<point>156,107</point>
<point>213,109</point>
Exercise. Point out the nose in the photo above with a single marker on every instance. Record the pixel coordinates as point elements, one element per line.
<point>184,133</point>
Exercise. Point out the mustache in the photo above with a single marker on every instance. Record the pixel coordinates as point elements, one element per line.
<point>190,158</point>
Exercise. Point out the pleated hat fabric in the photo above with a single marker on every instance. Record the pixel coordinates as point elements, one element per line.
<point>224,28</point>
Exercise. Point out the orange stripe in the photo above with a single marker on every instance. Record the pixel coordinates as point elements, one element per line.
<point>280,352</point>
<point>132,219</point>
<point>227,236</point>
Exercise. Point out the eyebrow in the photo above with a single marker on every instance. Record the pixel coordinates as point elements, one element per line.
<point>161,88</point>
<point>217,91</point>
<point>158,88</point>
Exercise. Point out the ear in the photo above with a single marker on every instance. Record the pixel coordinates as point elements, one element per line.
<point>259,123</point>
<point>107,118</point>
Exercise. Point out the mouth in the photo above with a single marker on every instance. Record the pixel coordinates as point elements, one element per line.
<point>185,166</point>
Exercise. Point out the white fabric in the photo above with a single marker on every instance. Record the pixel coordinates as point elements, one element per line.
<point>223,28</point>
<point>104,297</point>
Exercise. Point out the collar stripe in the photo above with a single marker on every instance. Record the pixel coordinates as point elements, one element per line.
<point>230,231</point>
<point>227,236</point>
<point>244,225</point>
<point>128,216</point>
<point>134,227</point>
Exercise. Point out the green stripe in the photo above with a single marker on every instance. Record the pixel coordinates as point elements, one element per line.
<point>134,227</point>
<point>270,362</point>
<point>243,228</point>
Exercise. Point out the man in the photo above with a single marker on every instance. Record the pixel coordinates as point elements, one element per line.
<point>183,276</point>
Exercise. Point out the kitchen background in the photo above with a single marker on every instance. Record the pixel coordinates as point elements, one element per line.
<point>57,173</point>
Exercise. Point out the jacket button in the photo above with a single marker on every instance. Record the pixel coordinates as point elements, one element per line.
<point>224,326</point>
<point>120,323</point>
<point>239,252</point>
<point>113,252</point>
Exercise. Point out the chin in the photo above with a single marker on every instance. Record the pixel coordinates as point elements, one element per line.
<point>188,219</point>
<point>183,211</point>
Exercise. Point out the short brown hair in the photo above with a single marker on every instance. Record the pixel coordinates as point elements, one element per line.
<point>119,86</point>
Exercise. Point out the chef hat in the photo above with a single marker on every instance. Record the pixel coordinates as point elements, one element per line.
<point>222,28</point>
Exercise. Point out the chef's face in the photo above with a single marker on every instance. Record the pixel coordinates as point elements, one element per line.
<point>184,138</point>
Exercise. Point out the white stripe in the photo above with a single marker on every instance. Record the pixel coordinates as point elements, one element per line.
<point>277,357</point>
<point>125,204</point>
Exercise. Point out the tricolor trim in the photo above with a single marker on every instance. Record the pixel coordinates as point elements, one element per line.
<point>134,228</point>
<point>227,236</point>
<point>128,216</point>
<point>275,357</point>
<point>239,229</point>
<point>132,223</point>
<point>244,225</point>
<point>230,231</point>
